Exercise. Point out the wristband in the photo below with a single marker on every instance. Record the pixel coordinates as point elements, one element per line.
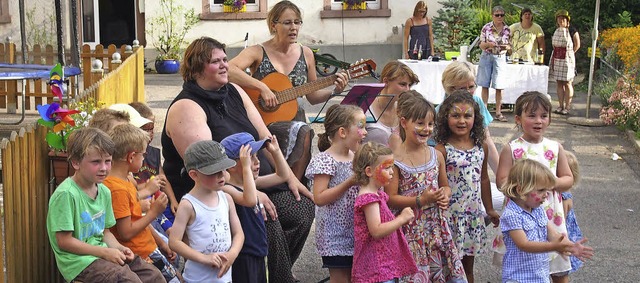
<point>418,205</point>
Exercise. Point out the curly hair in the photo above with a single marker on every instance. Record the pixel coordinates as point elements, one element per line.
<point>367,156</point>
<point>338,116</point>
<point>525,176</point>
<point>413,106</point>
<point>442,131</point>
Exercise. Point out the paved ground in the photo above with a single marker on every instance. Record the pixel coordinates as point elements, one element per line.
<point>607,201</point>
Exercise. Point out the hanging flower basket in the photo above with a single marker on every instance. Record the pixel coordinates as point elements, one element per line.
<point>357,6</point>
<point>234,9</point>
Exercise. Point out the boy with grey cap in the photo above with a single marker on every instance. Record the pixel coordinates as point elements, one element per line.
<point>208,217</point>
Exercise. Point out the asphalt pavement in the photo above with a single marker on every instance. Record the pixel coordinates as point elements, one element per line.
<point>607,200</point>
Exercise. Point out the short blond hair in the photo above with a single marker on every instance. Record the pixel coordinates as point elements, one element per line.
<point>84,139</point>
<point>105,119</point>
<point>455,73</point>
<point>525,176</point>
<point>573,166</point>
<point>128,138</point>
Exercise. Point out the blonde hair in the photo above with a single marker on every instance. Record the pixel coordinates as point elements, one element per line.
<point>420,5</point>
<point>84,139</point>
<point>105,119</point>
<point>525,176</point>
<point>274,14</point>
<point>338,116</point>
<point>456,73</point>
<point>128,138</point>
<point>573,166</point>
<point>395,69</point>
<point>366,156</point>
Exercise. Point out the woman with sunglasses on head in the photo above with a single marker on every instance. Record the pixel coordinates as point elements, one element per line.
<point>494,41</point>
<point>418,33</point>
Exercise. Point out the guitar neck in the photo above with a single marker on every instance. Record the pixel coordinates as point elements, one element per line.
<point>300,91</point>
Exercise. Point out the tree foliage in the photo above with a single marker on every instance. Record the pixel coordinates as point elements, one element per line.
<point>454,25</point>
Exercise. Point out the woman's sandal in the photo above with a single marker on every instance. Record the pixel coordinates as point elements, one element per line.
<point>559,110</point>
<point>501,118</point>
<point>564,111</point>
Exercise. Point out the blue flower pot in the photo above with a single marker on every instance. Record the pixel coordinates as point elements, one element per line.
<point>167,66</point>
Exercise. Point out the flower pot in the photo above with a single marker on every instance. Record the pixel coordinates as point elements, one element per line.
<point>167,66</point>
<point>361,6</point>
<point>233,9</point>
<point>60,167</point>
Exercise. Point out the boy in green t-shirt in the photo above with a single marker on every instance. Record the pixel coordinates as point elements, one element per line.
<point>80,214</point>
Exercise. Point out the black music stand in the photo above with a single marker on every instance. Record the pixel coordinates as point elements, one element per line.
<point>361,95</point>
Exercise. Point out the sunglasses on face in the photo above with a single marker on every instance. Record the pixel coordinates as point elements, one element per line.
<point>499,15</point>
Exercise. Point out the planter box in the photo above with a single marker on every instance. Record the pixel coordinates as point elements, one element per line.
<point>232,9</point>
<point>61,168</point>
<point>361,6</point>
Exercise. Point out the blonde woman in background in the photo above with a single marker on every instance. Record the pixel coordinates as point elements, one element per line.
<point>418,34</point>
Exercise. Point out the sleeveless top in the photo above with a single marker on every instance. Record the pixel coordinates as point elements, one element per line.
<point>297,76</point>
<point>255,231</point>
<point>546,152</point>
<point>209,233</point>
<point>226,115</point>
<point>420,35</point>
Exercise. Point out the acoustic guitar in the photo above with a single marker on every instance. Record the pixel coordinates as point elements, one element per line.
<point>286,93</point>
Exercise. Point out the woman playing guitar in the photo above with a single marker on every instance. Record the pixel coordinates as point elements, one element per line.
<point>275,57</point>
<point>283,55</point>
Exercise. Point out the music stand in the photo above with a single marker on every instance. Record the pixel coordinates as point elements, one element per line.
<point>361,95</point>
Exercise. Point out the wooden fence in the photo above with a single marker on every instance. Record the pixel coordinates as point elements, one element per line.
<point>38,92</point>
<point>27,183</point>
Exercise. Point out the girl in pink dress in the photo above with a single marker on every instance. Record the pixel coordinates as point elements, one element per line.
<point>381,253</point>
<point>420,182</point>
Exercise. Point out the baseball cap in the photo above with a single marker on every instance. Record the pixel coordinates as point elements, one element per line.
<point>134,117</point>
<point>563,13</point>
<point>234,142</point>
<point>207,157</point>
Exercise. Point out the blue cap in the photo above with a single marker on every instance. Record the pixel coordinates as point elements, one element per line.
<point>233,143</point>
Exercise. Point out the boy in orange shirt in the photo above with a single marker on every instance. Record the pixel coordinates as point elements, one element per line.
<point>132,228</point>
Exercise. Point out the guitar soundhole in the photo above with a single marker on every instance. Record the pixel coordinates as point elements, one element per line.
<point>266,108</point>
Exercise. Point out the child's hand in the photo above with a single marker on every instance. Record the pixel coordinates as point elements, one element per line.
<point>581,251</point>
<point>273,145</point>
<point>154,184</point>
<point>406,215</point>
<point>245,156</point>
<point>158,204</point>
<point>114,255</point>
<point>563,246</point>
<point>128,254</point>
<point>494,217</point>
<point>226,263</point>
<point>267,206</point>
<point>145,204</point>
<point>214,260</point>
<point>167,252</point>
<point>443,199</point>
<point>429,196</point>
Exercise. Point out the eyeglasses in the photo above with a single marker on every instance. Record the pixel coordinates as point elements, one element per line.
<point>289,22</point>
<point>498,15</point>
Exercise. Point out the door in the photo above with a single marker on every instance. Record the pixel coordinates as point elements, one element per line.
<point>90,20</point>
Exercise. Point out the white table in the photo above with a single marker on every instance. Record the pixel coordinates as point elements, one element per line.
<point>521,78</point>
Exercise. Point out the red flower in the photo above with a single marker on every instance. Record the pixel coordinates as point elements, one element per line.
<point>548,155</point>
<point>518,153</point>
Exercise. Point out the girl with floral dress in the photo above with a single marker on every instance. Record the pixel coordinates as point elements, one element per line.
<point>333,188</point>
<point>461,140</point>
<point>381,253</point>
<point>532,115</point>
<point>420,182</point>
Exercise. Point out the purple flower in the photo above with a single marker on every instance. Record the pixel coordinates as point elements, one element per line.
<point>548,155</point>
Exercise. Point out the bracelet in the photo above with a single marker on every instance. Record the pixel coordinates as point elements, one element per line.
<point>418,205</point>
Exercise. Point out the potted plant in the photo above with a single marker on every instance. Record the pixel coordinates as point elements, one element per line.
<point>234,6</point>
<point>168,30</point>
<point>61,123</point>
<point>354,5</point>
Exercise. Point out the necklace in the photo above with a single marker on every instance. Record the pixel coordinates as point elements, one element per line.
<point>409,157</point>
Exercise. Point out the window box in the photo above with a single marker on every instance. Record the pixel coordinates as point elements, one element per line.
<point>361,6</point>
<point>232,9</point>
